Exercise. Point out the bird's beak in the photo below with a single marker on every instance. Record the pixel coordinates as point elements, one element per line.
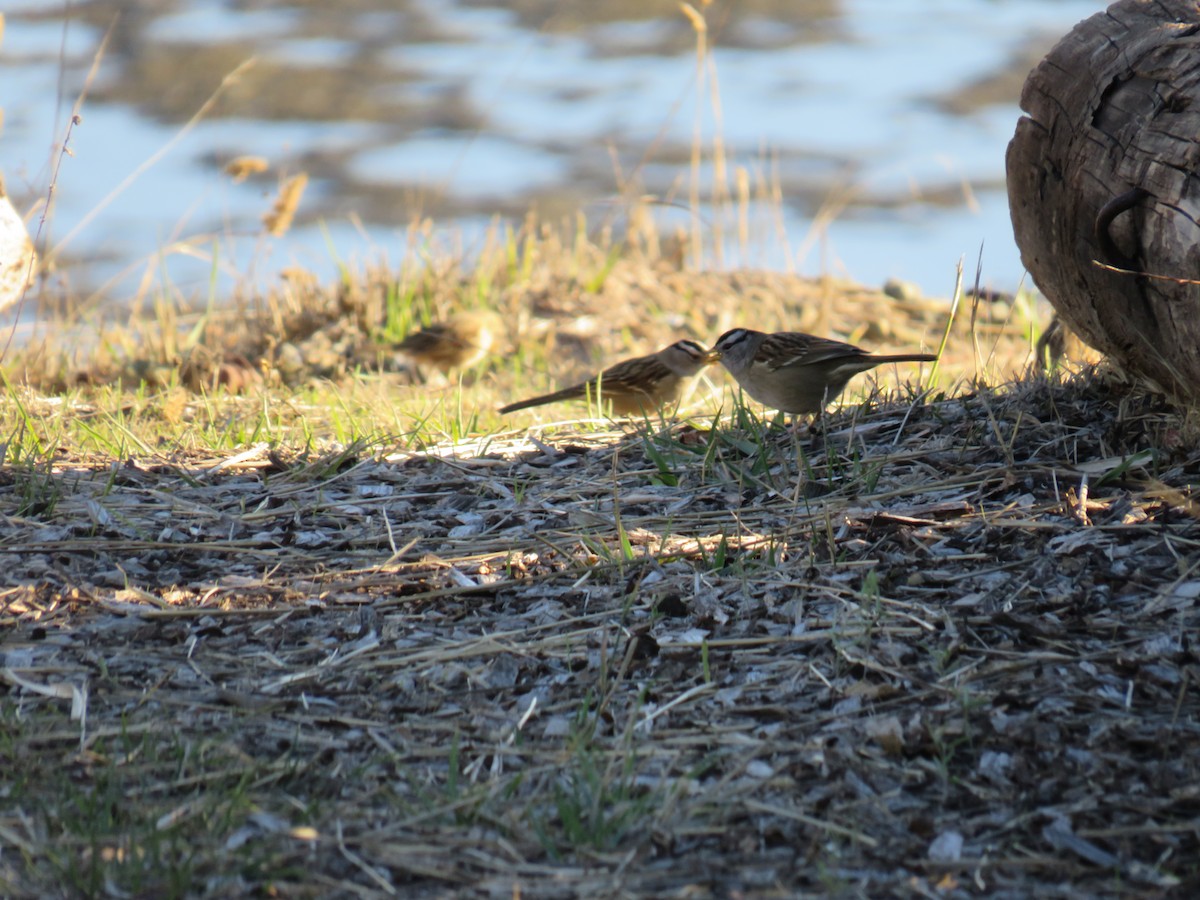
<point>711,357</point>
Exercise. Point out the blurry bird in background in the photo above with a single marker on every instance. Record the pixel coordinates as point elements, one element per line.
<point>456,343</point>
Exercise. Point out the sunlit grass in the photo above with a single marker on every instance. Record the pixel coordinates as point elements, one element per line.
<point>570,307</point>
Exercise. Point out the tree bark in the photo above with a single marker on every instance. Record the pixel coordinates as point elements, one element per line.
<point>1104,186</point>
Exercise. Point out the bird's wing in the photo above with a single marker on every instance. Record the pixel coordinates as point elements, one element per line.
<point>794,349</point>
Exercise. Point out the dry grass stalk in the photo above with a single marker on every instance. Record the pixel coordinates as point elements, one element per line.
<point>242,167</point>
<point>279,219</point>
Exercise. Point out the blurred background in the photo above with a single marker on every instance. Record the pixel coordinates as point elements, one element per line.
<point>860,138</point>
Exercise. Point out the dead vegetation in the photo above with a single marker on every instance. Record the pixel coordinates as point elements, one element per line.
<point>941,647</point>
<point>570,302</point>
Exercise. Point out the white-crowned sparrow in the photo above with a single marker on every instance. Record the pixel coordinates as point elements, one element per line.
<point>459,342</point>
<point>794,372</point>
<point>635,386</point>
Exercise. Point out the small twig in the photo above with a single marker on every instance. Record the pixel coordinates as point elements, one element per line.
<point>154,158</point>
<point>1121,270</point>
<point>772,809</point>
<point>361,864</point>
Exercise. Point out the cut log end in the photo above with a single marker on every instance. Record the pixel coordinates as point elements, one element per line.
<point>1104,186</point>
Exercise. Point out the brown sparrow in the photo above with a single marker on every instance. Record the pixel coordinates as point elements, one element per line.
<point>794,372</point>
<point>459,342</point>
<point>634,386</point>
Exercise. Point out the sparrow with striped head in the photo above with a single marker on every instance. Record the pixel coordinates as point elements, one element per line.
<point>795,372</point>
<point>635,386</point>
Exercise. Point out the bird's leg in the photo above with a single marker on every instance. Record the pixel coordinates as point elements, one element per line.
<point>816,425</point>
<point>816,431</point>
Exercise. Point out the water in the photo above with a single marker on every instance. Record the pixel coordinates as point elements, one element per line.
<point>468,111</point>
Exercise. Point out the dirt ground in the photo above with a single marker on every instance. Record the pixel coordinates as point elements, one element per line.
<point>941,646</point>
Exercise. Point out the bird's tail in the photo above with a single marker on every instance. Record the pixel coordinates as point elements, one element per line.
<point>565,394</point>
<point>878,360</point>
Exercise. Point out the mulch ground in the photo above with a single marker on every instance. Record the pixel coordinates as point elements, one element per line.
<point>941,647</point>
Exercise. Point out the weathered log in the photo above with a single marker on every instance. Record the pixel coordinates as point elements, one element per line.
<point>1104,186</point>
